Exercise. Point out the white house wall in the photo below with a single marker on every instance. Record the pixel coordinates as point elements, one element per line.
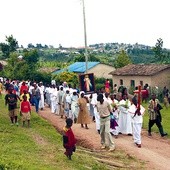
<point>102,71</point>
<point>127,80</point>
<point>162,79</point>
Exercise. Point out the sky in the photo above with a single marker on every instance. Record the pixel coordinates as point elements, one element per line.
<point>55,22</point>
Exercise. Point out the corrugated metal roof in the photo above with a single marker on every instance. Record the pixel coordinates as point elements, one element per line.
<point>78,67</point>
<point>140,69</point>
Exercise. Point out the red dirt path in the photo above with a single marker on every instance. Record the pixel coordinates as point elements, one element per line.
<point>155,150</point>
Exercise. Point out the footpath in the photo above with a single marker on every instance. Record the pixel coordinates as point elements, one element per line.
<point>155,150</point>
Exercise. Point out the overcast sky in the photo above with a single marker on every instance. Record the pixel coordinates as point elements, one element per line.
<point>55,22</point>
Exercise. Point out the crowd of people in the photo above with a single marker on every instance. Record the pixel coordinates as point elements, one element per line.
<point>113,113</point>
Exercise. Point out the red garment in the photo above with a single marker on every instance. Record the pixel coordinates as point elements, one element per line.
<point>23,87</point>
<point>25,107</point>
<point>107,84</point>
<point>145,94</point>
<point>69,141</point>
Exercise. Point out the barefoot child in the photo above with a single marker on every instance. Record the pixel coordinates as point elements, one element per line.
<point>25,110</point>
<point>69,140</point>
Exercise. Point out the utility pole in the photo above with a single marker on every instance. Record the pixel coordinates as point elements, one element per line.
<point>85,37</point>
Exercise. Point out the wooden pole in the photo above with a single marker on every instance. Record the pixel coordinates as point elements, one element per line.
<point>85,37</point>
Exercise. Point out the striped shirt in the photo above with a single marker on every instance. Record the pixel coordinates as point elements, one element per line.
<point>151,109</point>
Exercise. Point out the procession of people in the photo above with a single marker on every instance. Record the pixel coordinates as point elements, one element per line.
<point>113,113</point>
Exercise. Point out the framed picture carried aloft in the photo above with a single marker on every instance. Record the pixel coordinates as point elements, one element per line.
<point>87,83</point>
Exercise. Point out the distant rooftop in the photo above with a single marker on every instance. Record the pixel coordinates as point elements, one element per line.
<point>78,67</point>
<point>140,69</point>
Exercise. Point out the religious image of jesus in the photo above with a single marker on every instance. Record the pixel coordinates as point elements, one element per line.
<point>87,83</point>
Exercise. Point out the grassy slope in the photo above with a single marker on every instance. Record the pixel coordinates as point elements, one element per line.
<point>40,148</point>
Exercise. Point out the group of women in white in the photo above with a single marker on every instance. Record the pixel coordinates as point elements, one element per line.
<point>65,101</point>
<point>124,112</point>
<point>62,100</point>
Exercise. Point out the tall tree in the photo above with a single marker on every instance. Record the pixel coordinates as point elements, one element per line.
<point>25,68</point>
<point>160,54</point>
<point>122,60</point>
<point>10,46</point>
<point>30,45</point>
<point>81,58</point>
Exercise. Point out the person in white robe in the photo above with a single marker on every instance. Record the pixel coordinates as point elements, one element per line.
<point>47,95</point>
<point>137,120</point>
<point>41,102</point>
<point>54,100</point>
<point>60,98</point>
<point>125,120</point>
<point>74,106</point>
<point>96,113</point>
<point>91,108</point>
<point>65,86</point>
<point>30,92</point>
<point>67,104</point>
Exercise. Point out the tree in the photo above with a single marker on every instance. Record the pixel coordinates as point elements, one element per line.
<point>22,69</point>
<point>10,69</point>
<point>81,58</point>
<point>31,58</point>
<point>10,46</point>
<point>122,60</point>
<point>30,45</point>
<point>39,45</point>
<point>13,43</point>
<point>159,53</point>
<point>5,50</point>
<point>108,47</point>
<point>1,67</point>
<point>69,77</point>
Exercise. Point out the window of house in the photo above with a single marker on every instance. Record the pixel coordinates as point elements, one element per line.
<point>141,83</point>
<point>132,83</point>
<point>121,82</point>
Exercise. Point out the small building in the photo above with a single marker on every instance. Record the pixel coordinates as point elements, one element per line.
<point>99,70</point>
<point>133,75</point>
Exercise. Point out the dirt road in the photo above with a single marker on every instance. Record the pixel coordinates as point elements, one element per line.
<point>155,150</point>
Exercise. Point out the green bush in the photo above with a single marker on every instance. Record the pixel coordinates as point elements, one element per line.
<point>102,81</point>
<point>99,86</point>
<point>158,91</point>
<point>131,90</point>
<point>70,78</point>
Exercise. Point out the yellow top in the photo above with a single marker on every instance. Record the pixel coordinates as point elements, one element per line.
<point>1,86</point>
<point>28,97</point>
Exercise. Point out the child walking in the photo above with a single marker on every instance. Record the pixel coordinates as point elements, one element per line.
<point>25,110</point>
<point>11,101</point>
<point>69,141</point>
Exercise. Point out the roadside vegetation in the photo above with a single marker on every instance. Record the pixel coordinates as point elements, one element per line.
<point>40,148</point>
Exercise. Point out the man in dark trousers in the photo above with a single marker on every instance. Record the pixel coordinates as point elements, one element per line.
<point>154,115</point>
<point>11,100</point>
